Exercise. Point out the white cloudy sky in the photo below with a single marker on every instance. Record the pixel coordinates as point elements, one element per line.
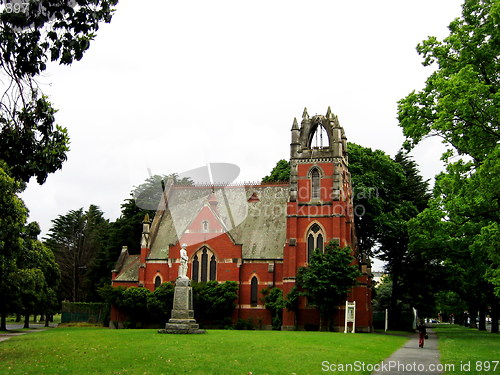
<point>174,85</point>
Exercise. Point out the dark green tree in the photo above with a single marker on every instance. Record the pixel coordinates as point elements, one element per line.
<point>31,283</point>
<point>450,305</point>
<point>134,302</point>
<point>161,302</point>
<point>214,302</point>
<point>275,303</point>
<point>280,173</point>
<point>13,216</point>
<point>382,294</point>
<point>149,194</point>
<point>407,198</point>
<point>38,275</point>
<point>387,194</point>
<point>111,294</point>
<point>327,279</point>
<point>76,238</point>
<point>374,176</point>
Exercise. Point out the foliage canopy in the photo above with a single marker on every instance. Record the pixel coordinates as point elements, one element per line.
<point>328,277</point>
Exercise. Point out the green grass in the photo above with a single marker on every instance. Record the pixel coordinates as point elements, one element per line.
<point>460,345</point>
<point>105,351</point>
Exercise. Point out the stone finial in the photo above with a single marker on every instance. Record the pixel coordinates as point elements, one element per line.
<point>295,125</point>
<point>329,114</point>
<point>305,115</point>
<point>145,232</point>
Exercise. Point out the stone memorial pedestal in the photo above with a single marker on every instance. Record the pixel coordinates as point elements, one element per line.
<point>182,320</point>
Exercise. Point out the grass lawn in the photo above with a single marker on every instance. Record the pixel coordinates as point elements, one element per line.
<point>460,346</point>
<point>105,351</point>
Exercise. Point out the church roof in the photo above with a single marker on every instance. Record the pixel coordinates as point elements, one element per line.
<point>129,270</point>
<point>253,215</point>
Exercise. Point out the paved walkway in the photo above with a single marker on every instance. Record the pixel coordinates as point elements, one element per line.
<point>412,360</point>
<point>16,327</point>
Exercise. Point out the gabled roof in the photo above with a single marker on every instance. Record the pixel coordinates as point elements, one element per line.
<point>258,225</point>
<point>129,270</point>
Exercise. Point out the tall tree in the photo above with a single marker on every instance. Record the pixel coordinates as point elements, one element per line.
<point>374,176</point>
<point>13,215</point>
<point>327,278</point>
<point>76,238</point>
<point>387,194</point>
<point>407,198</point>
<point>38,275</point>
<point>459,103</point>
<point>28,273</point>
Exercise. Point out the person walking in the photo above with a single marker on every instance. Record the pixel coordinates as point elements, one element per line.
<point>422,332</point>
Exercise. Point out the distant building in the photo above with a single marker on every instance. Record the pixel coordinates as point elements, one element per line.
<point>259,235</point>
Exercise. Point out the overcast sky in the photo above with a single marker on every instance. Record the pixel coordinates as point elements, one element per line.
<point>173,85</point>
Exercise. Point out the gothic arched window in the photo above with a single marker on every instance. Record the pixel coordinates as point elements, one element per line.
<point>157,281</point>
<point>254,292</point>
<point>204,265</point>
<point>315,184</point>
<point>315,240</point>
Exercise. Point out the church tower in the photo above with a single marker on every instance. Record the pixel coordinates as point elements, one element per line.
<point>320,206</point>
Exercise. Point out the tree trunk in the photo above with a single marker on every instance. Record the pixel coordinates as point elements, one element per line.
<point>18,317</point>
<point>3,321</point>
<point>473,317</point>
<point>394,313</point>
<point>26,320</point>
<point>482,319</point>
<point>47,320</point>
<point>494,317</point>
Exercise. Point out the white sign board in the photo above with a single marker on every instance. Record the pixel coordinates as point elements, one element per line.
<point>350,315</point>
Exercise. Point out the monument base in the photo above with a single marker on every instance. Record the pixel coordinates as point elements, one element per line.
<point>182,320</point>
<point>182,326</point>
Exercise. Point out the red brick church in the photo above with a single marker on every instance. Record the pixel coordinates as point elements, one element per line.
<point>259,235</point>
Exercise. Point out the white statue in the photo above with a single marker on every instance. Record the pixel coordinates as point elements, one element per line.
<point>183,267</point>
